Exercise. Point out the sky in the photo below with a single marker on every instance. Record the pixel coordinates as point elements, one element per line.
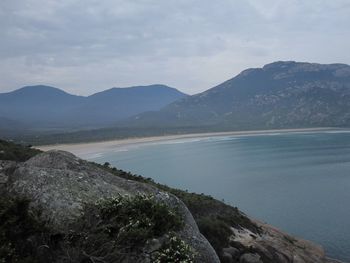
<point>86,46</point>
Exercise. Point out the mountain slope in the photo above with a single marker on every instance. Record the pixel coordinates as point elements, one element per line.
<point>37,104</point>
<point>109,106</point>
<point>279,95</point>
<point>9,126</point>
<point>45,107</point>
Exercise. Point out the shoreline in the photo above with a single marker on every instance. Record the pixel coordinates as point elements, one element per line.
<point>91,148</point>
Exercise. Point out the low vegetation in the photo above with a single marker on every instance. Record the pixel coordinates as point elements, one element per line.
<point>24,237</point>
<point>112,230</point>
<point>174,250</point>
<point>119,229</point>
<point>16,152</point>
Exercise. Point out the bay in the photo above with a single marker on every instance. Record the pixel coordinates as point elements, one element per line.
<point>299,182</point>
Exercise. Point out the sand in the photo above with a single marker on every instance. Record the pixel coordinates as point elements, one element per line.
<point>93,148</point>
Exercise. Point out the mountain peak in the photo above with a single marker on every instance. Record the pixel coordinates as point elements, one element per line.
<point>302,66</point>
<point>38,89</point>
<point>51,108</point>
<point>143,87</point>
<point>149,90</point>
<point>281,64</point>
<point>289,69</point>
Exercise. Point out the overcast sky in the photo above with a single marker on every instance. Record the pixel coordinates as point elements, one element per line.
<point>85,46</point>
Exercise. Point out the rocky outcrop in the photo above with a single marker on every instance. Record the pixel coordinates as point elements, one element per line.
<point>271,245</point>
<point>61,184</point>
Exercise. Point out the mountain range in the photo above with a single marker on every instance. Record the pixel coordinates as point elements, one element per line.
<point>49,108</point>
<point>283,94</point>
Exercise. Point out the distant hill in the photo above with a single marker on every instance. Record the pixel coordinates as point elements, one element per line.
<point>284,94</point>
<point>279,95</point>
<point>49,108</point>
<point>38,106</point>
<point>109,106</point>
<point>10,127</point>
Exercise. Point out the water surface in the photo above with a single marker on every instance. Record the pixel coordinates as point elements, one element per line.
<point>298,182</point>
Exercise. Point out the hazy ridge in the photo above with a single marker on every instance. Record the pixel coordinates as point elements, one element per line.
<point>47,108</point>
<point>280,95</point>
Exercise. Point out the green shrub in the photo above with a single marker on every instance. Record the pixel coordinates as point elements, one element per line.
<point>118,228</point>
<point>174,250</point>
<point>112,230</point>
<point>139,213</point>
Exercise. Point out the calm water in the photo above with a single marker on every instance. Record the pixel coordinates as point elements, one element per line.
<point>298,182</point>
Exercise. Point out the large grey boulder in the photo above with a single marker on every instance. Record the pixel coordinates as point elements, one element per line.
<point>60,183</point>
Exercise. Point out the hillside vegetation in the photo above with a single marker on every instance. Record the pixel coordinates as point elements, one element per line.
<point>16,152</point>
<point>283,94</point>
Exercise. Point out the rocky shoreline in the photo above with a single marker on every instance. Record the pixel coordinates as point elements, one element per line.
<point>60,184</point>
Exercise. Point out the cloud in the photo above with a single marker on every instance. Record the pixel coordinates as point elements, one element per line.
<point>84,46</point>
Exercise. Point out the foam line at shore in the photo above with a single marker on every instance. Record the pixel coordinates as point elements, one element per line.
<point>96,148</point>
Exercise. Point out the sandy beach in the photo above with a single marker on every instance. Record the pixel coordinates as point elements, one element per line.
<point>92,148</point>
